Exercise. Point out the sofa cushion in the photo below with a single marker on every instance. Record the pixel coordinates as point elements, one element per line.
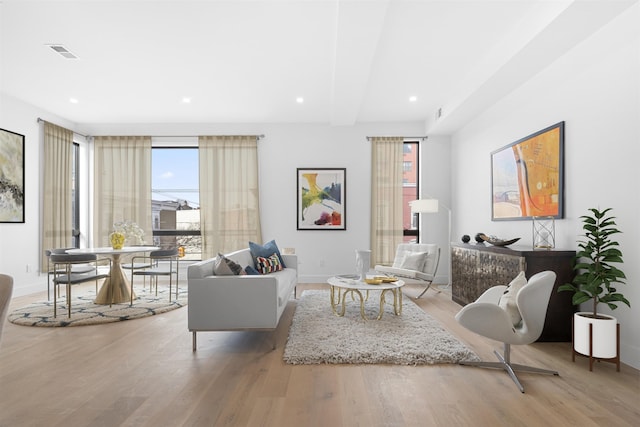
<point>265,251</point>
<point>268,265</point>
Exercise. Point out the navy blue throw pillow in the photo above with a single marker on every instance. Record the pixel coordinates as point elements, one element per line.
<point>251,271</point>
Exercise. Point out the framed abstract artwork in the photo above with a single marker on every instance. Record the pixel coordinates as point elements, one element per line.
<point>527,177</point>
<point>321,198</point>
<point>11,176</point>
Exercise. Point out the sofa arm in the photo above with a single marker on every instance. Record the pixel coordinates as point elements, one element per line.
<point>290,260</point>
<point>201,269</point>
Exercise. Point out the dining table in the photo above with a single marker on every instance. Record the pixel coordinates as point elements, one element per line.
<point>116,288</point>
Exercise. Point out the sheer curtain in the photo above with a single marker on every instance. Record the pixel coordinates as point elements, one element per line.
<point>122,185</point>
<point>229,198</point>
<point>386,198</point>
<point>57,218</point>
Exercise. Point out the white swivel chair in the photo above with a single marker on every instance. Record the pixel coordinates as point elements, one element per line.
<point>6,289</point>
<point>415,263</point>
<point>485,317</point>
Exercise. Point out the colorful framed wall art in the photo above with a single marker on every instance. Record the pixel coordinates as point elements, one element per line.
<point>527,177</point>
<point>321,198</point>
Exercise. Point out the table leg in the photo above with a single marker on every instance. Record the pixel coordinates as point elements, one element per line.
<point>116,288</point>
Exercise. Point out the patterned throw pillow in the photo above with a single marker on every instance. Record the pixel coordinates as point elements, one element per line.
<point>224,266</point>
<point>234,266</point>
<point>220,267</point>
<point>268,265</point>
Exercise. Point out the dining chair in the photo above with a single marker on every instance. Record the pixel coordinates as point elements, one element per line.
<point>78,268</point>
<point>64,275</point>
<point>164,262</point>
<point>142,263</point>
<point>6,289</point>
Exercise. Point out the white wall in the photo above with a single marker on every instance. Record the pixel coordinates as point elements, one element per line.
<point>20,243</point>
<point>595,89</point>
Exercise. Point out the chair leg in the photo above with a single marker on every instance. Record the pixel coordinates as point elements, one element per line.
<point>425,290</point>
<point>55,301</point>
<point>69,300</point>
<point>506,365</point>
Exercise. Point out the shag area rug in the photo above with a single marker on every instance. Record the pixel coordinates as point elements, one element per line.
<point>85,312</point>
<point>414,338</point>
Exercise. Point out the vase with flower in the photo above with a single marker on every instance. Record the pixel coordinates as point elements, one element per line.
<point>126,232</point>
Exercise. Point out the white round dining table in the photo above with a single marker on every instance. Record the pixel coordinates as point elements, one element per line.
<point>116,288</point>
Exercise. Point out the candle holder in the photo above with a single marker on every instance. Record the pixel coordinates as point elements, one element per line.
<point>544,232</point>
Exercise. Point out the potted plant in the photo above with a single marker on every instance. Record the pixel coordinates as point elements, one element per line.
<point>595,280</point>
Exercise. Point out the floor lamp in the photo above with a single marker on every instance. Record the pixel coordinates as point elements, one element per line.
<point>421,206</point>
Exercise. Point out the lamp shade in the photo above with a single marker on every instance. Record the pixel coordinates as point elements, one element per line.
<point>424,206</point>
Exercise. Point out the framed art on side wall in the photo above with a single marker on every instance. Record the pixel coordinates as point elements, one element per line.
<point>11,176</point>
<point>527,177</point>
<point>321,198</point>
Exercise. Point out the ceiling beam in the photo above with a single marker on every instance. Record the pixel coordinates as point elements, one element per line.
<point>357,32</point>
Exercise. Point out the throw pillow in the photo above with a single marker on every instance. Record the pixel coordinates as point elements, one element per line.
<point>268,265</point>
<point>414,261</point>
<point>251,271</point>
<point>233,266</point>
<point>508,299</point>
<point>221,268</point>
<point>399,259</point>
<point>265,251</point>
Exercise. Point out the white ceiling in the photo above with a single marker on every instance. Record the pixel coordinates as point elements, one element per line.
<point>244,61</point>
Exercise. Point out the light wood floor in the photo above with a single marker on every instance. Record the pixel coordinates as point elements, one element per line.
<point>143,373</point>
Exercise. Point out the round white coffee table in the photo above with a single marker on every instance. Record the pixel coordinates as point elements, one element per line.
<point>341,286</point>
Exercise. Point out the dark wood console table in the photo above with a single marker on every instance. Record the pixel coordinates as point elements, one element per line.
<point>477,267</point>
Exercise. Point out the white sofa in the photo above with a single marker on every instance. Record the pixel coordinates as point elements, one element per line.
<point>244,302</point>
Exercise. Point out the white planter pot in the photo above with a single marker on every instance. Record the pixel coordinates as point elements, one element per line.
<point>604,335</point>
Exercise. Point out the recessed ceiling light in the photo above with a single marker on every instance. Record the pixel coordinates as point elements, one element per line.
<point>300,100</point>
<point>73,100</point>
<point>413,98</point>
<point>186,100</point>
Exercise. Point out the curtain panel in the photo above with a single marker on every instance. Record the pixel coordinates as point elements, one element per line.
<point>229,193</point>
<point>386,198</point>
<point>57,227</point>
<point>122,185</point>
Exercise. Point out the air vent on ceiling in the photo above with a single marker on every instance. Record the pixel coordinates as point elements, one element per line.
<point>62,51</point>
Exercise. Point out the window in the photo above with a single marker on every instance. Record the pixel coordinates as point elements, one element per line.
<point>410,189</point>
<point>175,199</point>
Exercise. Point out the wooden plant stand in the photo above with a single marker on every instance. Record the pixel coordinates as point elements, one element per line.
<point>615,359</point>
